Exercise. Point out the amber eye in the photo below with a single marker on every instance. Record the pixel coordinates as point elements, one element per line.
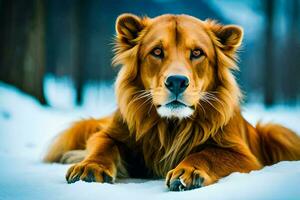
<point>196,53</point>
<point>157,52</point>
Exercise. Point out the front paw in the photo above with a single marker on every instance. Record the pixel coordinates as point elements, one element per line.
<point>90,172</point>
<point>185,178</point>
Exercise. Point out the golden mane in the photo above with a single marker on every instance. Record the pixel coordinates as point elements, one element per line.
<point>174,138</point>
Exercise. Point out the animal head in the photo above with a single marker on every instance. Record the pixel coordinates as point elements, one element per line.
<point>176,65</point>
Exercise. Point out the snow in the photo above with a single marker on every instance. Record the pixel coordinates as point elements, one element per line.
<point>26,128</point>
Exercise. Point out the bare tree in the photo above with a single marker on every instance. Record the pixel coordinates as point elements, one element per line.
<point>291,58</point>
<point>269,52</point>
<point>22,61</point>
<point>80,48</point>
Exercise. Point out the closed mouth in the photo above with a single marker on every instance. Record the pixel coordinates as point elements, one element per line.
<point>175,104</point>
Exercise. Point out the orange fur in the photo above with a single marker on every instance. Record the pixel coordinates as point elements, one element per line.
<point>74,138</point>
<point>192,151</point>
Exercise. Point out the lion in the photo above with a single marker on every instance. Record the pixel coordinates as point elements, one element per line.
<point>178,111</point>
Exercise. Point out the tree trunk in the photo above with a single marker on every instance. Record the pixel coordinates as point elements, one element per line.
<point>269,52</point>
<point>22,61</point>
<point>80,48</point>
<point>291,57</point>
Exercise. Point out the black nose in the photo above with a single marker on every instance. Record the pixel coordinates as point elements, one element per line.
<point>177,84</point>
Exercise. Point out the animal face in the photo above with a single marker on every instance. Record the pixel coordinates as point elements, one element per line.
<point>176,61</point>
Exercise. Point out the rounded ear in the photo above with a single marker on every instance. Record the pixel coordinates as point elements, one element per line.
<point>230,36</point>
<point>127,27</point>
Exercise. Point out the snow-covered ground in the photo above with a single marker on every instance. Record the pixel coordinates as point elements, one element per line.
<point>26,128</point>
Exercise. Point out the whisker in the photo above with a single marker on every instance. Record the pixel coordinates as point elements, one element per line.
<point>207,101</point>
<point>146,101</point>
<point>199,103</point>
<point>139,91</point>
<point>215,98</point>
<point>141,96</point>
